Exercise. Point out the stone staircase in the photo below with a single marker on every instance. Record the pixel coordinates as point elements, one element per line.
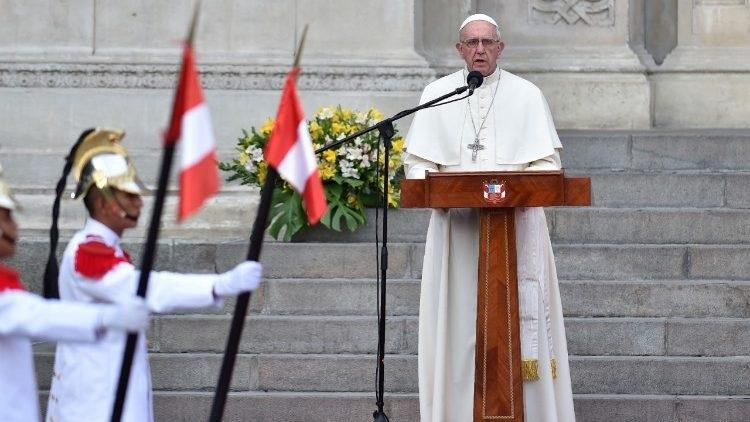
<point>655,282</point>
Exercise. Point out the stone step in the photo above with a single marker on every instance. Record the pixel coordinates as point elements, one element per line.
<point>663,225</point>
<point>284,334</point>
<point>610,189</point>
<point>285,406</point>
<point>580,298</point>
<point>669,408</point>
<point>582,225</point>
<point>657,150</point>
<point>647,150</point>
<point>356,407</point>
<point>341,260</point>
<point>638,262</point>
<point>48,165</point>
<point>355,373</point>
<point>223,221</point>
<point>341,335</point>
<point>658,336</point>
<point>668,188</point>
<point>661,375</point>
<point>228,215</point>
<point>656,298</point>
<point>351,407</point>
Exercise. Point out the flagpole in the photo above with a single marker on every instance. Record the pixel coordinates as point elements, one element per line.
<point>148,255</point>
<point>243,300</point>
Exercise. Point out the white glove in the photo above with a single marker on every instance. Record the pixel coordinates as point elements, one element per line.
<point>245,277</point>
<point>131,316</point>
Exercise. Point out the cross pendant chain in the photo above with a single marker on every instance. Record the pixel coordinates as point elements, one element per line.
<point>475,147</point>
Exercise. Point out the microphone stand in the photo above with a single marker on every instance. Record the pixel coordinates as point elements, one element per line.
<point>385,128</point>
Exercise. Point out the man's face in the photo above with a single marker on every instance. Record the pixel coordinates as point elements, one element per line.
<point>122,212</point>
<point>8,233</point>
<point>479,46</point>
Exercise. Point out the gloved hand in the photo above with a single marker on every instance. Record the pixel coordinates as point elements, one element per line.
<point>245,277</point>
<point>131,316</point>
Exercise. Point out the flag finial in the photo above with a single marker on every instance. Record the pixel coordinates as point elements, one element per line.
<point>298,53</point>
<point>194,23</point>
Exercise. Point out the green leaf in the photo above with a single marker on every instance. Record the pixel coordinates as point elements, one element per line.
<point>286,215</point>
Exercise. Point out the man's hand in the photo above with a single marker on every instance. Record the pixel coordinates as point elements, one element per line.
<point>243,278</point>
<point>131,316</point>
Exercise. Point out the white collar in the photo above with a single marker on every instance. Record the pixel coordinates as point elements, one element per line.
<point>488,80</point>
<point>98,229</point>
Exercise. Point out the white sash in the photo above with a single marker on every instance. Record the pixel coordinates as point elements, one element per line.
<point>531,229</point>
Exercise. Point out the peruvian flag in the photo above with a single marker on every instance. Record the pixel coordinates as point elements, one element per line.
<point>191,124</point>
<point>289,151</point>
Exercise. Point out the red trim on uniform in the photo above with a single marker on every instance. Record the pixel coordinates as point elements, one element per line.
<point>9,279</point>
<point>94,259</point>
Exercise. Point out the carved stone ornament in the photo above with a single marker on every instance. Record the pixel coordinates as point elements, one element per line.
<point>721,2</point>
<point>229,77</point>
<point>572,12</point>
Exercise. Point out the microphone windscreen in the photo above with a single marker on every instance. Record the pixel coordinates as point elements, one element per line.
<point>474,78</point>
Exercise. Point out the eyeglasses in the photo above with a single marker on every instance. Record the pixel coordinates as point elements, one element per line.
<point>474,42</point>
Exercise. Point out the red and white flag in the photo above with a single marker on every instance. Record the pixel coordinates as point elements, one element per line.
<point>289,150</point>
<point>191,125</point>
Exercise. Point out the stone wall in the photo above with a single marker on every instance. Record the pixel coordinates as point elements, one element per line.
<point>604,64</point>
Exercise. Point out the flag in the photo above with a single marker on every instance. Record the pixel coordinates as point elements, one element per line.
<point>289,150</point>
<point>191,125</point>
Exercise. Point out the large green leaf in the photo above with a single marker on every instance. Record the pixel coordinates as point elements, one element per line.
<point>286,214</point>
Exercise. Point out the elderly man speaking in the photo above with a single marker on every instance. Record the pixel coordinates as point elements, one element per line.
<point>505,126</point>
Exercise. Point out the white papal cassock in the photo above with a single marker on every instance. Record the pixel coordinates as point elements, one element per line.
<point>518,134</point>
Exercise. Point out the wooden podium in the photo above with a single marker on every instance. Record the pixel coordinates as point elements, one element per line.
<point>498,384</point>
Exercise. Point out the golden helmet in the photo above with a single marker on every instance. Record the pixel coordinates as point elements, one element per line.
<point>100,160</point>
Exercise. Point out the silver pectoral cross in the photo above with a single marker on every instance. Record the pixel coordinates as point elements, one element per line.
<point>475,148</point>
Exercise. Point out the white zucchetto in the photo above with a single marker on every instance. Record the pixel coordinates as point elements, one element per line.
<point>479,17</point>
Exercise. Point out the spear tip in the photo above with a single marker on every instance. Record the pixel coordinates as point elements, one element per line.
<point>194,23</point>
<point>298,53</point>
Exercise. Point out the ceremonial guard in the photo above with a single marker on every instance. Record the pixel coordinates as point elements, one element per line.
<point>25,316</point>
<point>96,269</point>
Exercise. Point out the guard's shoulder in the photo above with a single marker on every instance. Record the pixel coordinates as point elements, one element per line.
<point>94,258</point>
<point>9,279</point>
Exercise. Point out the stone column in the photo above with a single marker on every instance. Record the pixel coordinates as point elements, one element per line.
<point>705,80</point>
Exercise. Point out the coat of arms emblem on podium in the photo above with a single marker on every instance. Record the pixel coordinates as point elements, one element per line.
<point>494,191</point>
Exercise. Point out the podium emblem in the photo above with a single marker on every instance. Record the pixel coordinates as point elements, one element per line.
<point>494,192</point>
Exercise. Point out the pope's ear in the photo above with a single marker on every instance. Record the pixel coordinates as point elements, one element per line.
<point>500,48</point>
<point>458,49</point>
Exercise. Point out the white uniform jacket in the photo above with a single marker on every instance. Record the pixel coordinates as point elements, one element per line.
<point>25,316</point>
<point>95,269</point>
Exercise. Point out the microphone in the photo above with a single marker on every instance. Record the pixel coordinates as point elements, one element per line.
<point>474,80</point>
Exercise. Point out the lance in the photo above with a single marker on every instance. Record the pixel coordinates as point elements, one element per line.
<point>253,254</point>
<point>153,233</point>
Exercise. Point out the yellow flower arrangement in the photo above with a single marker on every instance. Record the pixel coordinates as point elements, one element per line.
<point>351,173</point>
<point>267,126</point>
